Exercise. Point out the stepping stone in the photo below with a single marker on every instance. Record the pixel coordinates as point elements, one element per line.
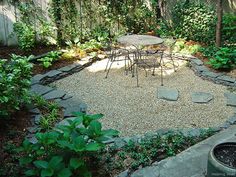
<point>54,94</point>
<point>201,97</point>
<point>153,171</point>
<point>52,73</point>
<point>168,94</point>
<point>231,99</point>
<point>40,89</point>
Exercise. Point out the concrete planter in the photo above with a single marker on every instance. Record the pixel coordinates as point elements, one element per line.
<point>222,160</point>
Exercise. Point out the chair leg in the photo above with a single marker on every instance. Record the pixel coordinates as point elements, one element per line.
<point>109,60</point>
<point>137,75</point>
<point>161,65</point>
<point>109,69</point>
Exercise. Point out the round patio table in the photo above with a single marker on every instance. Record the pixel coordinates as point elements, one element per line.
<point>139,40</point>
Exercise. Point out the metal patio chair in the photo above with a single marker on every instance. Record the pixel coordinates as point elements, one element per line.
<point>118,54</point>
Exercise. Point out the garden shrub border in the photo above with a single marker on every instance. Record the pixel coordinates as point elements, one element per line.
<point>40,82</point>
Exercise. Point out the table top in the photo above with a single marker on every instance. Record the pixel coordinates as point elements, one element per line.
<point>139,40</point>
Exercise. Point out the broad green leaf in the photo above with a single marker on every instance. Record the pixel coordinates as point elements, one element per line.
<point>25,160</point>
<point>30,173</point>
<point>66,172</point>
<point>96,116</point>
<point>110,132</point>
<point>65,144</point>
<point>79,143</point>
<point>55,160</point>
<point>47,172</point>
<point>78,114</point>
<point>41,164</point>
<point>96,127</point>
<point>93,147</point>
<point>76,162</point>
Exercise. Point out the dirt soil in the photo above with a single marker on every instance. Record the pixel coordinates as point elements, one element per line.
<point>227,155</point>
<point>5,52</point>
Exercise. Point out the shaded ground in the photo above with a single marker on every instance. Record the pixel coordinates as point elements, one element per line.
<point>136,110</point>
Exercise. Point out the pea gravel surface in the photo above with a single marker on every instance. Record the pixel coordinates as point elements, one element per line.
<point>137,110</point>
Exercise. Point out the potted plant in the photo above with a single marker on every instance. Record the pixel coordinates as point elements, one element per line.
<point>222,160</point>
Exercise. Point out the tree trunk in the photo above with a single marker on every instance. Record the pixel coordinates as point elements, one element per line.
<point>219,23</point>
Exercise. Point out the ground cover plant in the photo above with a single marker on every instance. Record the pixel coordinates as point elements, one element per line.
<point>77,149</point>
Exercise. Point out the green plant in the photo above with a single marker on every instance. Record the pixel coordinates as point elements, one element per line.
<point>224,58</point>
<point>15,82</point>
<point>47,121</point>
<point>50,58</point>
<point>229,28</point>
<point>65,151</point>
<point>25,34</point>
<point>194,21</point>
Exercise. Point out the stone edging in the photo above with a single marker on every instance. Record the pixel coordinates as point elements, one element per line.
<point>202,71</point>
<point>69,104</point>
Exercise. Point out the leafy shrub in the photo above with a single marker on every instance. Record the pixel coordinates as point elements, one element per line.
<point>224,58</point>
<point>64,151</point>
<point>229,28</point>
<point>25,35</point>
<point>194,21</point>
<point>49,59</point>
<point>14,84</point>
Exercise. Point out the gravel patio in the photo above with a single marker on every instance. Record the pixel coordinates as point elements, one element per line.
<point>137,110</point>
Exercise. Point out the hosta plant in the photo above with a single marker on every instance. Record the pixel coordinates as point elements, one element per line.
<point>66,150</point>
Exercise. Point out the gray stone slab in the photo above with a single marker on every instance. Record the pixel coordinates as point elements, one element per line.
<point>66,97</point>
<point>232,120</point>
<point>36,79</point>
<point>226,78</point>
<point>197,61</point>
<point>124,174</point>
<point>54,94</point>
<point>119,143</point>
<point>147,172</point>
<point>230,99</point>
<point>68,68</point>
<point>52,73</point>
<point>201,68</point>
<point>69,110</point>
<point>195,132</point>
<point>167,93</point>
<point>210,74</point>
<point>40,89</point>
<point>201,97</point>
<point>35,111</point>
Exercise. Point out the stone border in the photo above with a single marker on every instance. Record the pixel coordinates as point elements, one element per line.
<point>202,71</point>
<point>69,104</point>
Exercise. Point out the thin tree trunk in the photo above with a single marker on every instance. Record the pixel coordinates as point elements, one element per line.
<point>219,22</point>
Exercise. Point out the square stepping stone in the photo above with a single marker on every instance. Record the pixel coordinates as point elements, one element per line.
<point>201,97</point>
<point>230,99</point>
<point>169,94</point>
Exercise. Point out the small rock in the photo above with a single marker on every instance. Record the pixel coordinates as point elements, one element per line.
<point>201,97</point>
<point>119,143</point>
<point>35,111</point>
<point>32,129</point>
<point>232,120</point>
<point>167,93</point>
<point>124,174</point>
<point>225,125</point>
<point>197,61</point>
